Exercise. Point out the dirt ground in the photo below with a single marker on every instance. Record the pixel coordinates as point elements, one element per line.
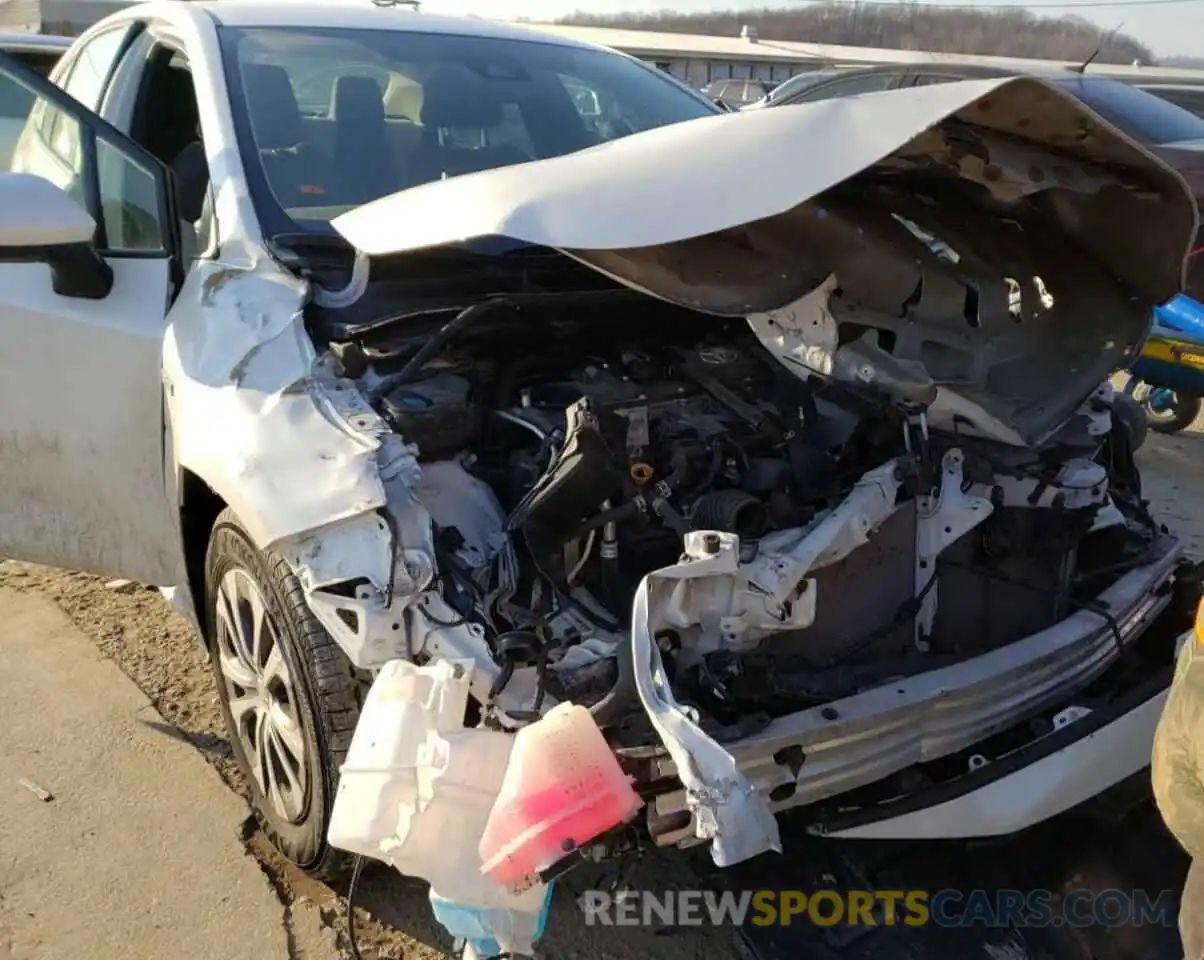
<point>157,650</point>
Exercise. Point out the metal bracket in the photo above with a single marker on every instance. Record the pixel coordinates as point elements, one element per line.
<point>943,517</point>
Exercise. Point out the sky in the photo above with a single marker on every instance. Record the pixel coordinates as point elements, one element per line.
<point>1168,28</point>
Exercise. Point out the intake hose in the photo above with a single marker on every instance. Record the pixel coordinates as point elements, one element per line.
<point>465,318</point>
<point>731,511</point>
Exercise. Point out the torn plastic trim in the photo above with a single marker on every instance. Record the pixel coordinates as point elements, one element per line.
<point>711,588</point>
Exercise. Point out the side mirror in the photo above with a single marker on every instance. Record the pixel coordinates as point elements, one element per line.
<point>721,104</point>
<point>39,223</point>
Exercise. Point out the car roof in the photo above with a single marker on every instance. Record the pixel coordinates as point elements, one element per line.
<point>33,43</point>
<point>970,71</point>
<point>361,15</point>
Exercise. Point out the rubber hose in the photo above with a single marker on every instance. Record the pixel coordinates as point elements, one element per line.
<point>731,511</point>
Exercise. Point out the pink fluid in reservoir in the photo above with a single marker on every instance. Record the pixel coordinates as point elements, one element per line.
<point>563,787</point>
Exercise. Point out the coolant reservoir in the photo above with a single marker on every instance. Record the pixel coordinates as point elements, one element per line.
<point>563,787</point>
<point>417,788</point>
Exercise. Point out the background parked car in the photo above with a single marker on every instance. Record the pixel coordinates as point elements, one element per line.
<point>1184,95</point>
<point>40,53</point>
<point>734,94</point>
<point>800,82</point>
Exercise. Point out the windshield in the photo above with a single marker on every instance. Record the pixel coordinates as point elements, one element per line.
<point>329,119</point>
<point>1141,115</point>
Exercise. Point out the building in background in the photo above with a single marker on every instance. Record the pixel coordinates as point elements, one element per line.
<point>700,60</point>
<point>697,59</point>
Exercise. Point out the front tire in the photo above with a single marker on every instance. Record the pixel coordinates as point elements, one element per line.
<point>287,692</point>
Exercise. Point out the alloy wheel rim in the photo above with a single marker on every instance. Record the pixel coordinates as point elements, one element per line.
<point>1156,408</point>
<point>261,695</point>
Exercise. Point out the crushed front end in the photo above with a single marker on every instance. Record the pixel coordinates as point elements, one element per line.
<point>703,508</point>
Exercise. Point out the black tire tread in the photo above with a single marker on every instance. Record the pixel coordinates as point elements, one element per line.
<point>1187,408</point>
<point>329,676</point>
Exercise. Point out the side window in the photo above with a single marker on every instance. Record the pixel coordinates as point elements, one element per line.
<point>121,186</point>
<point>89,70</point>
<point>129,199</point>
<point>1192,100</point>
<point>84,79</point>
<point>865,83</point>
<point>41,63</point>
<point>15,102</point>
<point>928,79</point>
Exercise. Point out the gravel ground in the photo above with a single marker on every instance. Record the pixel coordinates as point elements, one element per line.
<point>157,650</point>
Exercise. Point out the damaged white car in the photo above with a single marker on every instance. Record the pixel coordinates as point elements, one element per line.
<point>565,493</point>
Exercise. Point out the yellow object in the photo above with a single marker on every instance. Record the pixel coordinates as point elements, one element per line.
<point>1199,627</point>
<point>1174,351</point>
<point>641,473</point>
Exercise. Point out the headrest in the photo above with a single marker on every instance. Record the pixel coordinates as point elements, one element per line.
<point>357,100</point>
<point>457,99</point>
<point>403,98</point>
<point>275,116</point>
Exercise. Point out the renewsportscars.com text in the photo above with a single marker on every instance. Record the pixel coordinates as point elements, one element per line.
<point>912,908</point>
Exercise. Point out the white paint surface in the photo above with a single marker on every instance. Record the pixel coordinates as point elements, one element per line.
<point>36,213</point>
<point>1037,792</point>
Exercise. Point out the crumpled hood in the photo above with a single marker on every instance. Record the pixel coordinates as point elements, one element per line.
<point>989,248</point>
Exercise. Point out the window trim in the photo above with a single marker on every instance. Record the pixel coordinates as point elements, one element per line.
<point>61,76</point>
<point>920,79</point>
<point>93,126</point>
<point>805,96</point>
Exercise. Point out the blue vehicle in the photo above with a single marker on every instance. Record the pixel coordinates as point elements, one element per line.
<point>1167,382</point>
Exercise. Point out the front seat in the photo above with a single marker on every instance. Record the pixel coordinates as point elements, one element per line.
<point>297,174</point>
<point>363,157</point>
<point>454,99</point>
<point>190,179</point>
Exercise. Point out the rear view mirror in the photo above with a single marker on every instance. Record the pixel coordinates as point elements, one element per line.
<point>39,223</point>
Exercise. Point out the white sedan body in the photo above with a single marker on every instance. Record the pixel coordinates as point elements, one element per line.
<point>194,374</point>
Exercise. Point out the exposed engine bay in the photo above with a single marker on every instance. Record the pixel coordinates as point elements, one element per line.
<point>592,458</point>
<point>820,499</point>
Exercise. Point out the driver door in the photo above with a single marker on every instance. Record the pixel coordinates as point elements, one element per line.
<point>87,270</point>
